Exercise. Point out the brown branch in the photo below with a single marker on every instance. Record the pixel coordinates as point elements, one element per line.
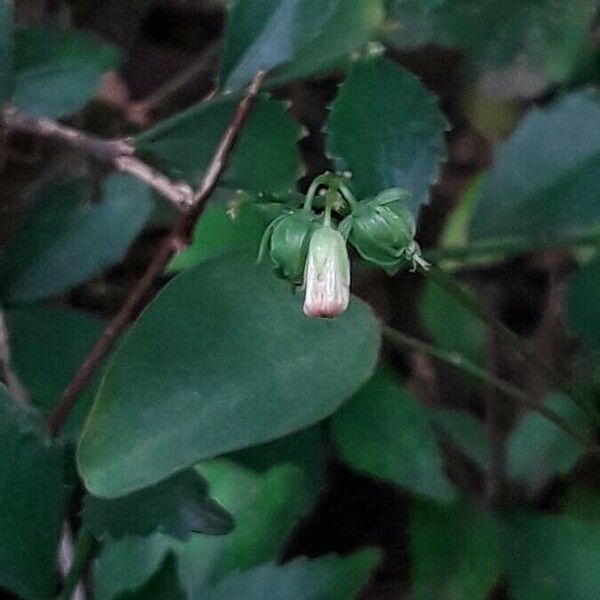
<point>119,154</point>
<point>181,232</point>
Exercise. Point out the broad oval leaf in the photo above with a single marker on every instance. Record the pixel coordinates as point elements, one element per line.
<point>67,238</point>
<point>387,130</point>
<point>544,182</point>
<point>31,502</point>
<point>384,432</point>
<point>264,158</point>
<point>222,359</point>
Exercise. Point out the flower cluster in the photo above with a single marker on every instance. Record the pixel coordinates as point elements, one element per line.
<point>308,246</point>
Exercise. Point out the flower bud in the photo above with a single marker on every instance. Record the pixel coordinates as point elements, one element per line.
<point>288,239</point>
<point>327,274</point>
<point>381,228</point>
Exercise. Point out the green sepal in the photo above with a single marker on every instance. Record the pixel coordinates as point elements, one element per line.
<point>381,228</point>
<point>287,239</point>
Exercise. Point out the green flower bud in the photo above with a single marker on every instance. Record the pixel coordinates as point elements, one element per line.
<point>327,274</point>
<point>381,228</point>
<point>287,239</point>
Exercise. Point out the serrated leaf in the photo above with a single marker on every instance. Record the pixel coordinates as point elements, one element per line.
<point>222,359</point>
<point>163,585</point>
<point>387,130</point>
<point>7,71</point>
<point>522,36</point>
<point>31,502</point>
<point>176,507</point>
<point>545,178</point>
<point>57,72</point>
<point>293,38</point>
<point>48,345</point>
<point>325,578</point>
<point>264,158</point>
<point>383,431</point>
<point>538,450</point>
<point>217,233</point>
<point>67,238</point>
<point>456,551</point>
<point>265,507</point>
<point>583,309</point>
<point>553,557</point>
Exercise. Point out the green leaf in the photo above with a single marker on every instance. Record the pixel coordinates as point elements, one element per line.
<point>265,507</point>
<point>581,502</point>
<point>326,578</point>
<point>385,432</point>
<point>553,558</point>
<point>217,233</point>
<point>175,507</point>
<point>222,359</point>
<point>264,158</point>
<point>538,450</point>
<point>545,178</point>
<point>521,36</point>
<point>456,552</point>
<point>48,345</point>
<point>387,130</point>
<point>57,73</point>
<point>67,238</point>
<point>31,501</point>
<point>467,433</point>
<point>7,71</point>
<point>452,326</point>
<point>300,37</point>
<point>583,309</point>
<point>163,585</point>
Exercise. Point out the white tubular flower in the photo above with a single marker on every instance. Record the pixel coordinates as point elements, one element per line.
<point>326,274</point>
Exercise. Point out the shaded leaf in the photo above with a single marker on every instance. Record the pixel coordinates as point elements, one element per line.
<point>265,507</point>
<point>384,432</point>
<point>48,345</point>
<point>467,433</point>
<point>222,359</point>
<point>538,450</point>
<point>325,578</point>
<point>31,502</point>
<point>7,71</point>
<point>163,585</point>
<point>67,239</point>
<point>553,557</point>
<point>524,37</point>
<point>217,233</point>
<point>456,552</point>
<point>177,506</point>
<point>300,37</point>
<point>387,130</point>
<point>452,326</point>
<point>57,72</point>
<point>583,309</point>
<point>545,178</point>
<point>264,158</point>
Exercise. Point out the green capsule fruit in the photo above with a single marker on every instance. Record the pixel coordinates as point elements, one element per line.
<point>287,240</point>
<point>381,228</point>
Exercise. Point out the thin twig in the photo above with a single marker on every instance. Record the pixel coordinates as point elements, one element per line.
<point>13,383</point>
<point>507,389</point>
<point>119,154</point>
<point>70,557</point>
<point>82,553</point>
<point>469,302</point>
<point>180,233</point>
